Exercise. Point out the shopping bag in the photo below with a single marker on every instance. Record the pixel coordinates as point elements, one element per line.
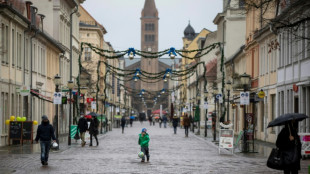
<point>275,159</point>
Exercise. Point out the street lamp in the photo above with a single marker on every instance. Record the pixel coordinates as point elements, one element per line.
<point>228,87</point>
<point>215,91</point>
<point>206,114</point>
<point>198,104</point>
<point>70,85</point>
<point>83,92</point>
<point>245,80</point>
<point>57,82</point>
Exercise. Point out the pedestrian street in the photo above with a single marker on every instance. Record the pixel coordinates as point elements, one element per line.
<point>118,153</point>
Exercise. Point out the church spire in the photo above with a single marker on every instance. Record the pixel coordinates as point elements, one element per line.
<point>149,9</point>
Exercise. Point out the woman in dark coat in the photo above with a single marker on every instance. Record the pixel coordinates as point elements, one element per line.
<point>93,130</point>
<point>286,141</point>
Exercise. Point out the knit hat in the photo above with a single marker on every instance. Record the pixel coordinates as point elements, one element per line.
<point>143,130</point>
<point>44,117</point>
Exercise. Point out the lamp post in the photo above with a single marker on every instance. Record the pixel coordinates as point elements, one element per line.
<point>228,86</point>
<point>83,91</point>
<point>70,86</point>
<point>57,82</point>
<point>102,97</point>
<point>215,90</point>
<point>206,114</point>
<point>244,80</point>
<point>198,103</point>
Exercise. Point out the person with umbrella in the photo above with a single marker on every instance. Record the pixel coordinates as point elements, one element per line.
<point>131,120</point>
<point>288,141</point>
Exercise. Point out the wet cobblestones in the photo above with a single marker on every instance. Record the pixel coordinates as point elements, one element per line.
<point>118,153</point>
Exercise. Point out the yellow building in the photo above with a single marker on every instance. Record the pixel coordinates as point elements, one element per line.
<point>92,32</point>
<point>191,41</point>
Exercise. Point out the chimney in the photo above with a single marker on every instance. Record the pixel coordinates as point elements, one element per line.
<point>33,13</point>
<point>28,3</point>
<point>42,16</point>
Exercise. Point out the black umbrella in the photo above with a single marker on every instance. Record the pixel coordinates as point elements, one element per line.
<point>93,114</point>
<point>281,120</point>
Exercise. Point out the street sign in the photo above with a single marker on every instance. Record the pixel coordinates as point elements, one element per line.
<point>244,98</point>
<point>219,97</point>
<point>205,106</point>
<point>64,100</point>
<point>93,105</point>
<point>24,90</point>
<point>57,98</point>
<point>261,94</point>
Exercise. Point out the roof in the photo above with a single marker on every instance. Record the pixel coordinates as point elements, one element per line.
<point>189,32</point>
<point>97,24</point>
<point>149,9</point>
<point>231,58</point>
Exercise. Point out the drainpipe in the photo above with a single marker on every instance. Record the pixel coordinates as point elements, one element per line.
<point>31,58</point>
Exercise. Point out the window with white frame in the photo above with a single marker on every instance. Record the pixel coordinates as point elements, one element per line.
<point>13,46</point>
<point>5,43</point>
<point>87,54</point>
<point>26,46</point>
<point>19,51</point>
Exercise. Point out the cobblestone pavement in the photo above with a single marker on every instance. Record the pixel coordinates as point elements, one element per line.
<point>118,153</point>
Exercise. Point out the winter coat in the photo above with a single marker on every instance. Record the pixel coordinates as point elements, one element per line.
<point>93,127</point>
<point>186,121</point>
<point>123,122</point>
<point>284,144</point>
<point>175,121</point>
<point>82,125</point>
<point>164,119</point>
<point>45,132</point>
<point>144,141</point>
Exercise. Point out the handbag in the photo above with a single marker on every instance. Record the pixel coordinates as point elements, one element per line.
<point>275,159</point>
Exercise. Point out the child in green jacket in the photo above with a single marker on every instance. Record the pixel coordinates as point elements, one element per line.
<point>144,143</point>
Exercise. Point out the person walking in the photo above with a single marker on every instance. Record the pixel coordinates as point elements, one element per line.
<point>144,140</point>
<point>93,130</point>
<point>131,120</point>
<point>191,122</point>
<point>150,120</point>
<point>153,120</point>
<point>175,122</point>
<point>165,121</point>
<point>287,141</point>
<point>82,127</point>
<point>160,120</point>
<point>186,123</point>
<point>45,133</point>
<point>123,123</point>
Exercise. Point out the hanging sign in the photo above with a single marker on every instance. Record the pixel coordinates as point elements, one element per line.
<point>93,105</point>
<point>244,98</point>
<point>57,98</point>
<point>24,90</point>
<point>261,94</point>
<point>89,100</point>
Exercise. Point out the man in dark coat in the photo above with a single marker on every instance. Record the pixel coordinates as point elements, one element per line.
<point>165,119</point>
<point>286,141</point>
<point>82,127</point>
<point>93,130</point>
<point>123,123</point>
<point>186,123</point>
<point>45,133</point>
<point>175,121</point>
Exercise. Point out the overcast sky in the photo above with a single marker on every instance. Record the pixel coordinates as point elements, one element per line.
<point>121,18</point>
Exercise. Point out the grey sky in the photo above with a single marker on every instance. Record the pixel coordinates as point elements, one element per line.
<point>121,18</point>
